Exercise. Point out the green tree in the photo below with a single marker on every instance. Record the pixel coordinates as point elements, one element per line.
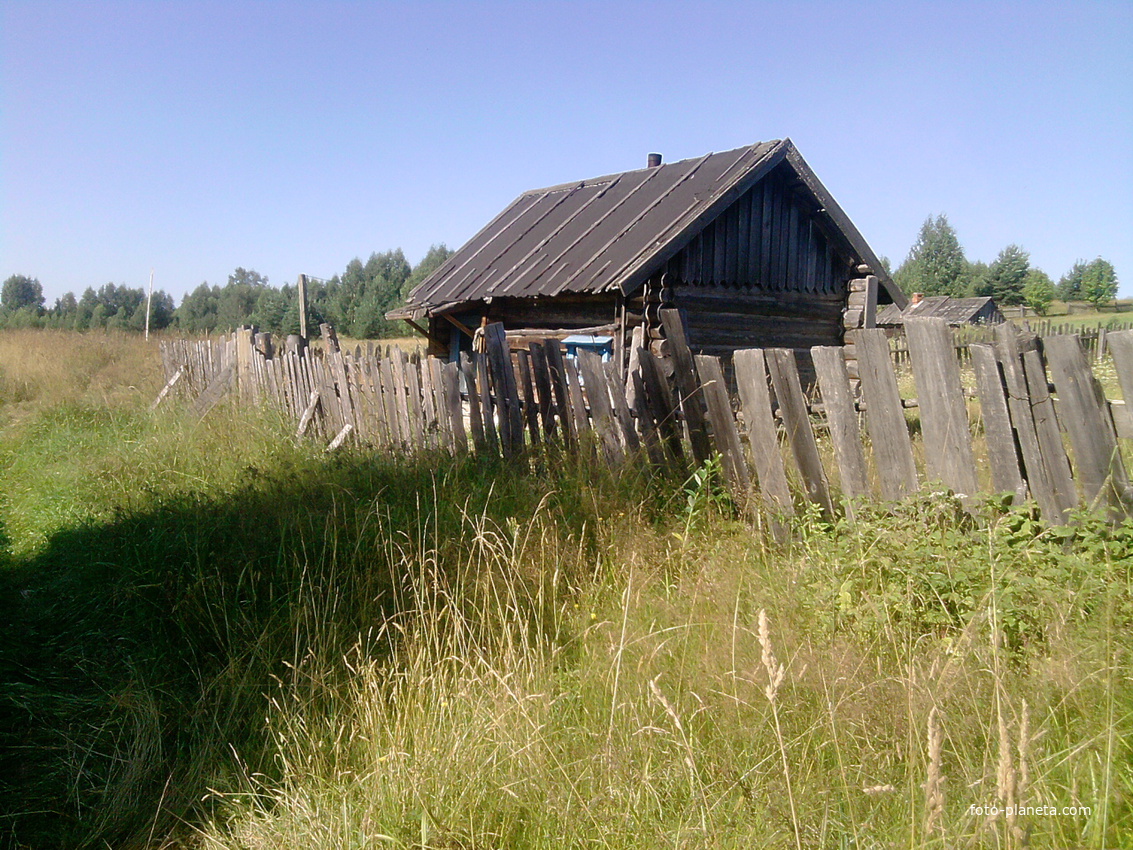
<point>85,309</point>
<point>978,283</point>
<point>21,291</point>
<point>197,313</point>
<point>434,258</point>
<point>1099,282</point>
<point>1038,291</point>
<point>935,264</point>
<point>1007,275</point>
<point>357,301</point>
<point>1070,284</point>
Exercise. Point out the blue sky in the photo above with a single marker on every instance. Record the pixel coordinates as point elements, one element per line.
<point>288,137</point>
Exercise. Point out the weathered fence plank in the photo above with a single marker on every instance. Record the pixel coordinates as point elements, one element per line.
<point>1022,420</point>
<point>1003,457</point>
<point>1121,347</point>
<point>796,419</point>
<point>1100,469</point>
<point>601,411</point>
<point>475,414</point>
<point>450,374</point>
<point>622,412</point>
<point>944,413</point>
<point>556,366</point>
<point>688,388</point>
<point>1053,450</point>
<point>542,378</point>
<point>885,416</point>
<point>488,410</point>
<point>507,395</point>
<point>577,401</point>
<point>662,406</point>
<point>527,390</point>
<point>723,423</point>
<point>763,436</point>
<point>842,420</point>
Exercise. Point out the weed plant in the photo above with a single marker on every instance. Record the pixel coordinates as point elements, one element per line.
<point>219,638</point>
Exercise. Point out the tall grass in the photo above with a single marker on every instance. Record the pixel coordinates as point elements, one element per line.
<point>220,638</point>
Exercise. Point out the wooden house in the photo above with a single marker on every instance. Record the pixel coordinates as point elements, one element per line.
<point>747,243</point>
<point>956,311</point>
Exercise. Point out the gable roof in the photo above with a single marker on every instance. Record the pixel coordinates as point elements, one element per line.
<point>956,311</point>
<point>613,232</point>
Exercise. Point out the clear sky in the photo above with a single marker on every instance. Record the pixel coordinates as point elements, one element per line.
<point>289,137</point>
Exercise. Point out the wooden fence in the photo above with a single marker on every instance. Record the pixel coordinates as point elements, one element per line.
<point>1034,424</point>
<point>1093,339</point>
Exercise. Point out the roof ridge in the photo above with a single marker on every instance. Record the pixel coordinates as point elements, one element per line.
<point>590,181</point>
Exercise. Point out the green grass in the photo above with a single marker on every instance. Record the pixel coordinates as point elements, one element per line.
<point>219,638</point>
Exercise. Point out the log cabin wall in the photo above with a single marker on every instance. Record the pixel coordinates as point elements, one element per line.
<point>763,274</point>
<point>544,317</point>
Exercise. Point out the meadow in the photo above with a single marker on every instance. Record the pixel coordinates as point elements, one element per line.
<point>219,637</point>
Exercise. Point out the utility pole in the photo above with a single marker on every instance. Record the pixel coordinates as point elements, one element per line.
<point>149,300</point>
<point>303,306</point>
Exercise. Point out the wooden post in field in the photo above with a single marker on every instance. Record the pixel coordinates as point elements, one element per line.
<point>149,301</point>
<point>302,284</point>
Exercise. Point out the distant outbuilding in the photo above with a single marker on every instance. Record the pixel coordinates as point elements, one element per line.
<point>747,243</point>
<point>955,311</point>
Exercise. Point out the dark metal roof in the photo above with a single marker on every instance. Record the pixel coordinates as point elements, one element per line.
<point>956,311</point>
<point>608,232</point>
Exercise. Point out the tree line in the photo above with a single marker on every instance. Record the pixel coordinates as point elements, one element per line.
<point>355,301</point>
<point>936,265</point>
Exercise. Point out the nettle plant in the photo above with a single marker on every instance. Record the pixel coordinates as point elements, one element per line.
<point>932,566</point>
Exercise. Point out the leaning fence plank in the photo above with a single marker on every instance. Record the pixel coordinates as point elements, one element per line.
<point>1120,345</point>
<point>796,419</point>
<point>1100,469</point>
<point>723,423</point>
<point>662,406</point>
<point>542,377</point>
<point>413,400</point>
<point>373,378</point>
<point>169,385</point>
<point>645,419</point>
<point>1023,421</point>
<point>215,391</point>
<point>621,407</point>
<point>577,402</point>
<point>428,403</point>
<point>688,389</point>
<point>347,429</point>
<point>1002,454</point>
<point>488,411</point>
<point>601,411</point>
<point>475,414</point>
<point>885,416</point>
<point>527,391</point>
<point>1046,426</point>
<point>398,428</point>
<point>556,366</point>
<point>436,368</point>
<point>450,374</point>
<point>763,436</point>
<point>842,419</point>
<point>308,414</point>
<point>507,394</point>
<point>944,413</point>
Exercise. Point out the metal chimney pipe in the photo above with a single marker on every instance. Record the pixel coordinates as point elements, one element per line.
<point>654,160</point>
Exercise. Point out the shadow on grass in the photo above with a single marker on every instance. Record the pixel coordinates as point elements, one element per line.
<point>138,652</point>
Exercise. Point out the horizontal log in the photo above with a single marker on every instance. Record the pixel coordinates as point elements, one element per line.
<point>740,322</point>
<point>737,295</point>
